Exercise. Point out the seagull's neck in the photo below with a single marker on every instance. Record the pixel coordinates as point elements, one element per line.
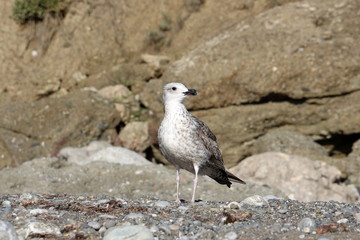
<point>174,107</point>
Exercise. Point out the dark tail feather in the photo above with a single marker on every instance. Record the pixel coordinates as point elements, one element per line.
<point>234,178</point>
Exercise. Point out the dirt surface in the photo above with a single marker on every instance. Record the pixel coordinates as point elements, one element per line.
<point>37,216</point>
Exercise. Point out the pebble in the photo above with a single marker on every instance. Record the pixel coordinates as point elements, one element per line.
<point>306,225</point>
<point>38,211</point>
<point>323,239</point>
<point>41,228</point>
<point>133,232</point>
<point>95,225</point>
<point>283,210</point>
<point>110,223</point>
<point>231,236</point>
<point>255,200</point>
<point>174,227</point>
<point>165,228</point>
<point>234,205</point>
<point>162,204</point>
<point>7,231</point>
<point>276,228</point>
<point>343,220</point>
<point>134,216</point>
<point>357,217</point>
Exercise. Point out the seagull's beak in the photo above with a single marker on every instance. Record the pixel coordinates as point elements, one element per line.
<point>190,92</point>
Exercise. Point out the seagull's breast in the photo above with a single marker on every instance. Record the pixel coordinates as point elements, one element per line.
<point>179,140</point>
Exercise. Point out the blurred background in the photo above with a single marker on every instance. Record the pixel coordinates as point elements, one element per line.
<point>278,83</point>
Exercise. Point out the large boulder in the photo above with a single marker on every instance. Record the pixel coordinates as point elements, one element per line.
<point>294,66</point>
<point>297,177</point>
<point>41,128</point>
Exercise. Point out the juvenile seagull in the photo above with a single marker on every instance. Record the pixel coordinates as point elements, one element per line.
<point>188,143</point>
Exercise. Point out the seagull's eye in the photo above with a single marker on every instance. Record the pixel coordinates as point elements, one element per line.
<point>173,88</point>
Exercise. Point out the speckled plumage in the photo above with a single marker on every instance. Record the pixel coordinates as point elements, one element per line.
<point>187,142</point>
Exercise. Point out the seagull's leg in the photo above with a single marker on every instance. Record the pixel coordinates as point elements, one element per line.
<point>177,184</point>
<point>196,168</point>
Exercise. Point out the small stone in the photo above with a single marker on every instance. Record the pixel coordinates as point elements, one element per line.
<point>276,228</point>
<point>25,197</point>
<point>133,232</point>
<point>38,211</point>
<point>134,215</point>
<point>343,220</point>
<point>174,227</point>
<point>283,210</point>
<point>162,204</point>
<point>231,236</point>
<point>7,231</point>
<point>357,217</point>
<point>6,203</point>
<point>95,225</point>
<point>108,216</point>
<point>102,229</point>
<point>234,205</point>
<point>110,223</point>
<point>41,228</point>
<point>323,239</point>
<point>154,229</point>
<point>255,200</point>
<point>165,228</point>
<point>306,225</point>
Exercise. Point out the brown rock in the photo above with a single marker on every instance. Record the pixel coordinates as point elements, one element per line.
<point>124,99</point>
<point>135,136</point>
<point>33,129</point>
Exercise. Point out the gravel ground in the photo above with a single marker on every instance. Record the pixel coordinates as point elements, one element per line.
<point>39,216</point>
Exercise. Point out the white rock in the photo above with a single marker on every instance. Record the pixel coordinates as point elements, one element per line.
<point>162,204</point>
<point>102,151</point>
<point>7,231</point>
<point>40,228</point>
<point>38,211</point>
<point>134,215</point>
<point>234,205</point>
<point>135,232</point>
<point>298,177</point>
<point>118,155</point>
<point>255,200</point>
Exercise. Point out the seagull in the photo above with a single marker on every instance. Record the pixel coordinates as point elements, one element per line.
<point>188,143</point>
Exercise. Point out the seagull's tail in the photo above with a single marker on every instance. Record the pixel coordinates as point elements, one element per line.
<point>234,178</point>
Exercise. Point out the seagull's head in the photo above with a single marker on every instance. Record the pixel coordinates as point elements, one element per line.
<point>176,92</point>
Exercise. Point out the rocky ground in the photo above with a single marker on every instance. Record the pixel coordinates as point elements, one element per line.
<point>278,84</point>
<point>54,216</point>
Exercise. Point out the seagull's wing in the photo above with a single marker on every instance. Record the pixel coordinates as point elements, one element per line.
<point>209,140</point>
<point>215,167</point>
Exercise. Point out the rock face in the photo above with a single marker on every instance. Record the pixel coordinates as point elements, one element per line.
<point>32,129</point>
<point>298,177</point>
<point>290,142</point>
<point>264,73</point>
<point>114,32</point>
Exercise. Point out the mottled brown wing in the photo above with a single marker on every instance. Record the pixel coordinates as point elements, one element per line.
<point>209,140</point>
